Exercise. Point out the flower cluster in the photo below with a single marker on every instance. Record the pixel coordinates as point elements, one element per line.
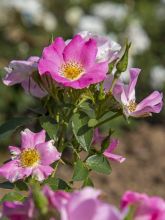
<point>80,90</point>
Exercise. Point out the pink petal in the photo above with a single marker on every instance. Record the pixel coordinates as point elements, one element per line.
<point>88,54</point>
<point>51,54</point>
<point>48,152</point>
<point>107,212</point>
<point>52,57</point>
<point>134,73</point>
<point>30,139</point>
<point>59,45</point>
<point>46,66</point>
<point>72,51</point>
<point>12,171</point>
<point>114,157</point>
<point>108,152</point>
<point>152,101</point>
<point>42,172</point>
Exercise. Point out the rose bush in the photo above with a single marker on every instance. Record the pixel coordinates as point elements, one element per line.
<point>78,84</point>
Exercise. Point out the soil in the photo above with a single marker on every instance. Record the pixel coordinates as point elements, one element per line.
<point>143,170</point>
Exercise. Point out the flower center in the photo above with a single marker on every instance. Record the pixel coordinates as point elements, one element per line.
<point>132,106</point>
<point>72,70</point>
<point>29,157</point>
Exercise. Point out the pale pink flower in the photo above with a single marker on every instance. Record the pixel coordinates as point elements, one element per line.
<point>109,152</point>
<point>20,71</point>
<point>73,64</point>
<point>125,94</point>
<point>108,50</point>
<point>146,208</point>
<point>33,158</point>
<point>82,205</point>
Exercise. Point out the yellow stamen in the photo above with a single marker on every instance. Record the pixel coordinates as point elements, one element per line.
<point>132,106</point>
<point>29,157</point>
<point>72,70</point>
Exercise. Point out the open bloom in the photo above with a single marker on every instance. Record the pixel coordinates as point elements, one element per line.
<point>73,64</point>
<point>33,158</point>
<point>146,208</point>
<point>108,50</point>
<point>82,205</point>
<point>125,94</point>
<point>111,156</point>
<point>20,71</point>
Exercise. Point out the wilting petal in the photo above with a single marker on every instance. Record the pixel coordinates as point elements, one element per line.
<point>108,50</point>
<point>32,88</point>
<point>30,139</point>
<point>15,151</point>
<point>108,82</point>
<point>20,70</point>
<point>48,152</point>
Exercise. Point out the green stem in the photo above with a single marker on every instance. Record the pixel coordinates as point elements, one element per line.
<point>108,119</point>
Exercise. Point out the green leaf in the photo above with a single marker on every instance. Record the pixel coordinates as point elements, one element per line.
<point>123,62</point>
<point>22,186</point>
<point>87,109</point>
<point>50,126</point>
<point>6,185</point>
<point>99,164</point>
<point>80,171</point>
<point>57,183</point>
<point>92,122</point>
<point>105,144</point>
<point>82,132</point>
<point>12,196</point>
<point>88,182</point>
<point>12,124</point>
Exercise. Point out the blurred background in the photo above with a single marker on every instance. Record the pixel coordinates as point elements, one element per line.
<point>26,26</point>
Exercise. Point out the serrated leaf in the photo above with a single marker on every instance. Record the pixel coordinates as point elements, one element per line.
<point>80,171</point>
<point>12,124</point>
<point>7,185</point>
<point>50,126</point>
<point>99,164</point>
<point>82,132</point>
<point>12,196</point>
<point>57,183</point>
